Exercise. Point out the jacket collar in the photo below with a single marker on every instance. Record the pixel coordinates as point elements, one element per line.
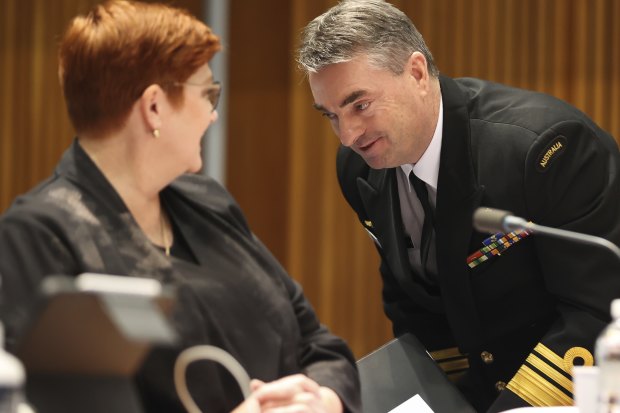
<point>120,240</point>
<point>76,166</point>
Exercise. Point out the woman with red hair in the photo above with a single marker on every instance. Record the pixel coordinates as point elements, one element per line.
<point>123,200</point>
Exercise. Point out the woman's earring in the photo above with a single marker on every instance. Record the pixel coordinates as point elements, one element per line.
<point>156,133</point>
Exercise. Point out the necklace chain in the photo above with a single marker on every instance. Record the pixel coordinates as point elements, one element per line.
<point>164,235</point>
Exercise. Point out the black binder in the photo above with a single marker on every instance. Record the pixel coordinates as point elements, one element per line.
<point>401,369</point>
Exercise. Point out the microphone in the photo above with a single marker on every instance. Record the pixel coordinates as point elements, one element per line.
<point>496,220</point>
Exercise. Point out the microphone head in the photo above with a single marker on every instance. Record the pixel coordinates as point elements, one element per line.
<point>490,220</point>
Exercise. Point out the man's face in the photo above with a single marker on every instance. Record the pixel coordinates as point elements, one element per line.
<point>386,118</point>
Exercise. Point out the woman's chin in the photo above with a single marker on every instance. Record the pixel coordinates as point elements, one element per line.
<point>195,168</point>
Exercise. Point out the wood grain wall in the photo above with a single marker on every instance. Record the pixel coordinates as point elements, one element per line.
<point>281,153</point>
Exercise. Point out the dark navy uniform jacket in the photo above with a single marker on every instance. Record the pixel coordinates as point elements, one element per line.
<point>512,325</point>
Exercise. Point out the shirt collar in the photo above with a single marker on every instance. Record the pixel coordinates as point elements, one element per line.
<point>427,168</point>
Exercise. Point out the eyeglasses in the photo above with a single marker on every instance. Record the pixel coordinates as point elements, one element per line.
<point>213,94</point>
<point>213,91</point>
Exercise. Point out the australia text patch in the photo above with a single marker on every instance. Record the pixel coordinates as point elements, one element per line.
<point>551,153</point>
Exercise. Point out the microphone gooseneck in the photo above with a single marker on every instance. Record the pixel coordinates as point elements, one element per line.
<point>496,220</point>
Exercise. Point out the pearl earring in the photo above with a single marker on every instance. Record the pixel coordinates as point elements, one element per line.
<point>156,133</point>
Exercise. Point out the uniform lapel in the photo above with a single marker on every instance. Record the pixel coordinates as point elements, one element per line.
<point>379,195</point>
<point>458,195</point>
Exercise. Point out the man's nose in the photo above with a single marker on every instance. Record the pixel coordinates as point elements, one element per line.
<point>350,131</point>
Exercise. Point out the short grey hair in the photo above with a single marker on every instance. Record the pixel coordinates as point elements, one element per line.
<point>362,27</point>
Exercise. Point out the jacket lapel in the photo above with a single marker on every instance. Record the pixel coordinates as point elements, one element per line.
<point>458,195</point>
<point>379,195</point>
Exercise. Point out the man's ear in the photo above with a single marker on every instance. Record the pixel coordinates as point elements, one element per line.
<point>417,67</point>
<point>152,104</point>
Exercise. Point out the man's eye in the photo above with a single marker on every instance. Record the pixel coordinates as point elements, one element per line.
<point>362,106</point>
<point>328,115</point>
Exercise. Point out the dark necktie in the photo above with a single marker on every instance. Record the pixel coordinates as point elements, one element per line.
<point>428,226</point>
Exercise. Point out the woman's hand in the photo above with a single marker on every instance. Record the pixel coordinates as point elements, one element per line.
<point>291,394</point>
<point>250,405</point>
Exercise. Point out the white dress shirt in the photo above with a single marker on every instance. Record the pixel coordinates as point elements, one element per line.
<point>427,169</point>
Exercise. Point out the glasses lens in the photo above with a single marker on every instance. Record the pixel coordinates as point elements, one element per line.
<point>214,94</point>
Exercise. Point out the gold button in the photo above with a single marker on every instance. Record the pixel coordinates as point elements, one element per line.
<point>500,385</point>
<point>486,357</point>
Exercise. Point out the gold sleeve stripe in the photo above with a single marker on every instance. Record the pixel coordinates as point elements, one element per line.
<point>550,355</point>
<point>454,377</point>
<point>448,366</point>
<point>446,354</point>
<point>550,372</point>
<point>577,353</point>
<point>536,390</point>
<point>566,363</point>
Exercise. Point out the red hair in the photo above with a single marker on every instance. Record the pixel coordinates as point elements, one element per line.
<point>109,56</point>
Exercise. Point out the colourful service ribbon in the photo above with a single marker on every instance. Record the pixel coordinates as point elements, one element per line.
<point>495,245</point>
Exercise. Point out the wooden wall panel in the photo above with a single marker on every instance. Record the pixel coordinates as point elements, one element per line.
<point>614,69</point>
<point>568,48</point>
<point>258,140</point>
<point>31,102</point>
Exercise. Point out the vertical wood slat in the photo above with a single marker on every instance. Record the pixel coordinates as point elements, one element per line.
<point>614,66</point>
<point>509,24</point>
<point>579,74</point>
<point>258,99</point>
<point>475,35</point>
<point>599,101</point>
<point>561,55</point>
<point>35,79</point>
<point>7,50</point>
<point>540,45</point>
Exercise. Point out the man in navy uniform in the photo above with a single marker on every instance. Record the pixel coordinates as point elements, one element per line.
<point>420,152</point>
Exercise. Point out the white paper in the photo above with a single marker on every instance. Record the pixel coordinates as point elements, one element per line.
<point>415,404</point>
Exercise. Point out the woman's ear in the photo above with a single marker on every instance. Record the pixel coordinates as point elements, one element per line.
<point>152,104</point>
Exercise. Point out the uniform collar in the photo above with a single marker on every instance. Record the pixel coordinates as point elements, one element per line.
<point>427,168</point>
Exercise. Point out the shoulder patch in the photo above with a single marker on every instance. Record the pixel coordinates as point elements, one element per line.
<point>551,153</point>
